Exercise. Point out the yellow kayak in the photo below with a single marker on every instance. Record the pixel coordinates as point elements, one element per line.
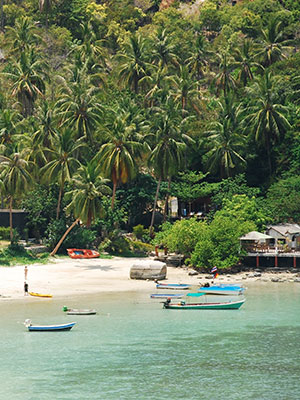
<point>39,294</point>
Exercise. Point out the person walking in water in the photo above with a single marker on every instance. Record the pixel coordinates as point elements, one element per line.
<point>25,288</point>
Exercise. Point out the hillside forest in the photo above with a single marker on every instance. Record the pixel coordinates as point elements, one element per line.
<point>108,109</point>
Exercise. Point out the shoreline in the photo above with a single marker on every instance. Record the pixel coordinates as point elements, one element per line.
<point>69,277</point>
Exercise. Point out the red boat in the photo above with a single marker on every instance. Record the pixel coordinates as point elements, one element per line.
<point>82,253</point>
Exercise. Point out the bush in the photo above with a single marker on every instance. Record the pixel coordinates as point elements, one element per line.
<point>4,233</point>
<point>115,243</point>
<point>141,233</point>
<point>182,237</point>
<point>141,247</point>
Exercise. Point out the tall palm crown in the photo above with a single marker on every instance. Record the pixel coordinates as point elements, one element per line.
<point>224,79</point>
<point>273,45</point>
<point>22,36</point>
<point>226,146</point>
<point>266,118</point>
<point>120,154</point>
<point>63,161</point>
<point>133,65</point>
<point>28,76</point>
<point>89,187</point>
<point>162,50</point>
<point>197,61</point>
<point>78,106</point>
<point>15,178</point>
<point>244,61</point>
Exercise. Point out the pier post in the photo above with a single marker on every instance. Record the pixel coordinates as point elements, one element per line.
<point>276,261</point>
<point>257,261</point>
<point>295,262</point>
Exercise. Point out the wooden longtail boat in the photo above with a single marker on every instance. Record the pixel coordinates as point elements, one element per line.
<point>48,328</point>
<point>173,286</point>
<point>229,305</point>
<point>39,294</point>
<point>82,253</point>
<point>78,311</point>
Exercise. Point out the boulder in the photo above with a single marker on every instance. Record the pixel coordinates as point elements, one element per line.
<point>148,269</point>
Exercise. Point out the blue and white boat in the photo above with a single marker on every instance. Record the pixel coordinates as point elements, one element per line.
<point>48,328</point>
<point>228,290</point>
<point>173,286</point>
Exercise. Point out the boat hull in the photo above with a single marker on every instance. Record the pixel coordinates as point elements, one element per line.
<point>171,286</point>
<point>166,296</point>
<point>82,253</point>
<point>50,328</point>
<point>81,312</point>
<point>225,291</point>
<point>234,305</point>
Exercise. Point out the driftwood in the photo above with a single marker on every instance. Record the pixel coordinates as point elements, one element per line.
<point>148,269</point>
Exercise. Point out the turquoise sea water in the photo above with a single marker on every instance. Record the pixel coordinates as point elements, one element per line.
<point>134,349</point>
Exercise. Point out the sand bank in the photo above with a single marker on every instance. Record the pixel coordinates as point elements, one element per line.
<point>66,277</point>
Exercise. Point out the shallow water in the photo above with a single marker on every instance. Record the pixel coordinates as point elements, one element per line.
<point>134,349</point>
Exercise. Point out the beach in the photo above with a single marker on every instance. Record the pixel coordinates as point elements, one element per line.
<point>65,277</point>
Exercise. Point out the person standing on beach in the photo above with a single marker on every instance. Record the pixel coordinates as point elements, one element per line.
<point>25,273</point>
<point>25,288</point>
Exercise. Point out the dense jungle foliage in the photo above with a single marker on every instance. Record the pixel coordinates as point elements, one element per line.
<point>108,108</point>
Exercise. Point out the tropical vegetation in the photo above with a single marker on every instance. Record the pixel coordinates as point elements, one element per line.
<point>108,109</point>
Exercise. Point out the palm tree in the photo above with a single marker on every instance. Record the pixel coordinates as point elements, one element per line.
<point>169,146</point>
<point>15,179</point>
<point>9,120</point>
<point>78,106</point>
<point>226,146</point>
<point>62,162</point>
<point>45,6</point>
<point>22,36</point>
<point>123,148</point>
<point>273,45</point>
<point>244,62</point>
<point>184,88</point>
<point>224,79</point>
<point>266,117</point>
<point>28,77</point>
<point>162,49</point>
<point>133,65</point>
<point>197,61</point>
<point>85,197</point>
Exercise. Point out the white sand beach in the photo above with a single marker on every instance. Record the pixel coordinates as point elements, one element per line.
<point>64,277</point>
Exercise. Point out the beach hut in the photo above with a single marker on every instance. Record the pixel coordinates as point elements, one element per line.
<point>148,269</point>
<point>285,234</point>
<point>254,241</point>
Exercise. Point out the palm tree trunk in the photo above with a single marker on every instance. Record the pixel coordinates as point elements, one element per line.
<point>167,199</point>
<point>154,206</point>
<point>59,199</point>
<point>1,15</point>
<point>10,218</point>
<point>54,251</point>
<point>113,195</point>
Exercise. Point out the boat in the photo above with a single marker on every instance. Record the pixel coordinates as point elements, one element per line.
<point>173,286</point>
<point>39,294</point>
<point>228,290</point>
<point>77,311</point>
<point>166,296</point>
<point>83,253</point>
<point>228,305</point>
<point>48,328</point>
